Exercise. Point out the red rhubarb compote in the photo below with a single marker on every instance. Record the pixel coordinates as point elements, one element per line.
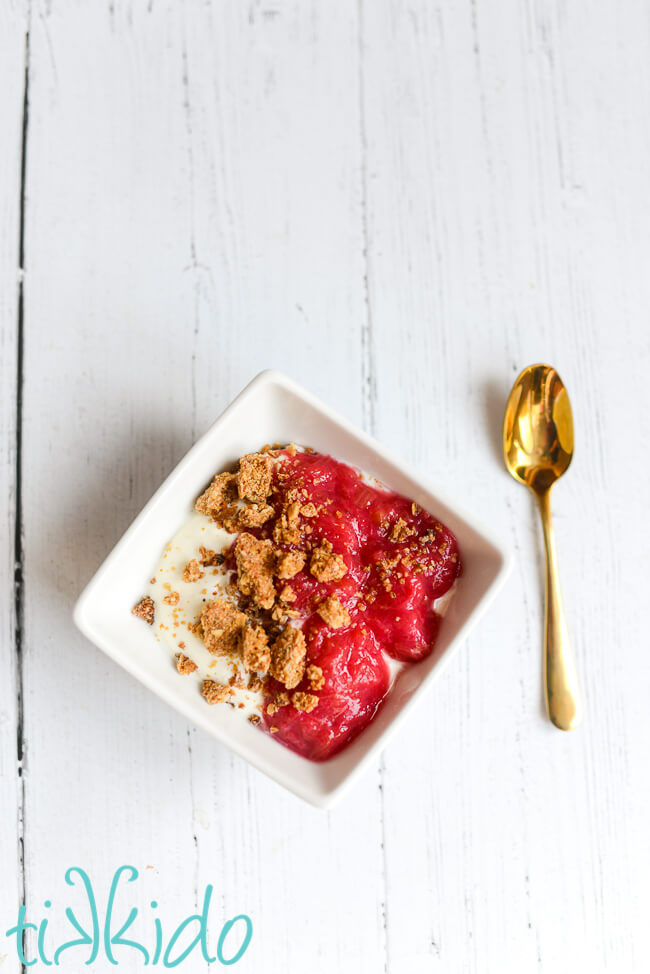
<point>399,560</point>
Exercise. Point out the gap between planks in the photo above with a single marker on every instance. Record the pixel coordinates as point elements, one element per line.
<point>369,412</point>
<point>19,579</point>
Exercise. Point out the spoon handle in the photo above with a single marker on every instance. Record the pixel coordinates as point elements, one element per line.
<point>561,680</point>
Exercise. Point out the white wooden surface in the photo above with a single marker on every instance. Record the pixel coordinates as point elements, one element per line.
<point>401,205</point>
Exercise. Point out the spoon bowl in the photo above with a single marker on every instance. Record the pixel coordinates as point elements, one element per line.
<point>538,428</point>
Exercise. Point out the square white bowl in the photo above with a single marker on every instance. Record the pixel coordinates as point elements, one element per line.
<point>272,409</point>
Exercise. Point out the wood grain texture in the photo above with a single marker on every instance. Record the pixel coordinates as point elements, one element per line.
<point>249,284</point>
<point>491,234</point>
<point>400,205</point>
<point>279,282</point>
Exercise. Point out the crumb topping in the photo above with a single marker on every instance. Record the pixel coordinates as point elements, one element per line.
<point>254,477</point>
<point>287,527</point>
<point>255,650</point>
<point>221,625</point>
<point>220,495</point>
<point>287,594</point>
<point>315,677</point>
<point>208,557</point>
<point>325,566</point>
<point>144,609</point>
<point>401,531</point>
<point>279,700</point>
<point>279,614</point>
<point>184,664</point>
<point>172,599</point>
<point>216,692</point>
<point>255,567</point>
<point>304,701</point>
<point>192,571</point>
<point>289,563</point>
<point>254,515</point>
<point>288,657</point>
<point>333,613</point>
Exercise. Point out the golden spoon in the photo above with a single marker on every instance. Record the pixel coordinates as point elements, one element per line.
<point>538,447</point>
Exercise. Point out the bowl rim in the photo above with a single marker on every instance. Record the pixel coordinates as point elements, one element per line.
<point>325,797</point>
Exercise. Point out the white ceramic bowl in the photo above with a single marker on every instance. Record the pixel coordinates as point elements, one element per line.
<point>271,409</point>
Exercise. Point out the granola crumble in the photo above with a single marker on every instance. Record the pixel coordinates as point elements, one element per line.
<point>255,567</point>
<point>208,557</point>
<point>144,609</point>
<point>315,677</point>
<point>254,477</point>
<point>219,495</point>
<point>289,563</point>
<point>288,657</point>
<point>333,613</point>
<point>172,599</point>
<point>192,571</point>
<point>255,649</point>
<point>254,515</point>
<point>401,531</point>
<point>325,566</point>
<point>222,625</point>
<point>216,692</point>
<point>287,527</point>
<point>304,701</point>
<point>184,664</point>
<point>279,614</point>
<point>279,700</point>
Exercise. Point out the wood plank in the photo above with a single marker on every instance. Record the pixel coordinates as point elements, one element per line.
<point>108,391</point>
<point>275,141</point>
<point>504,226</point>
<point>196,199</point>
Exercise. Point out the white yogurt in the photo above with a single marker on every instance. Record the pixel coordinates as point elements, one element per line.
<point>172,622</point>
